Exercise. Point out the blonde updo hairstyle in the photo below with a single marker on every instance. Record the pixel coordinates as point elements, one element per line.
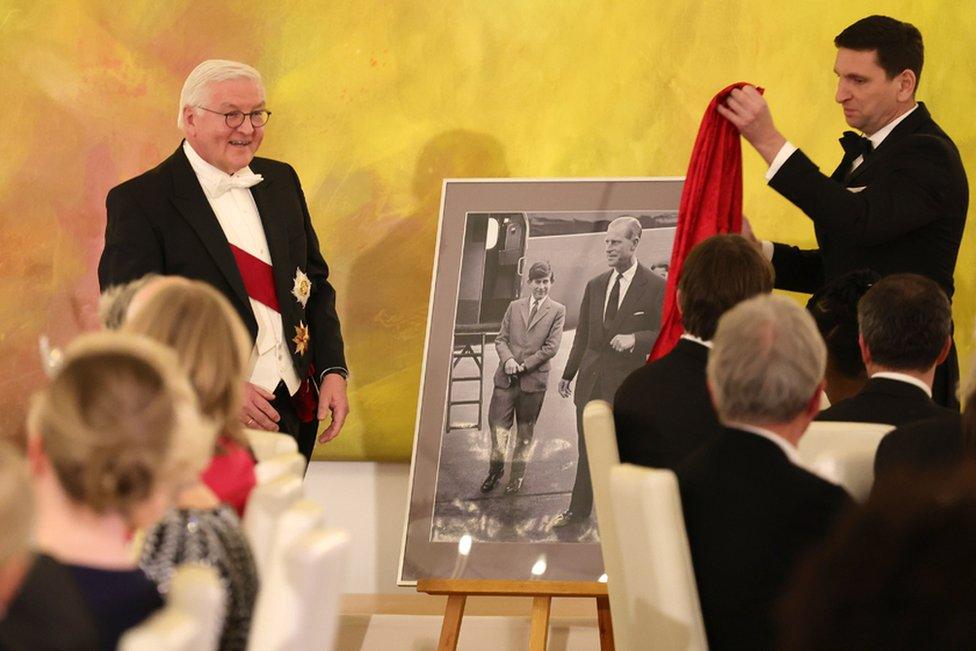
<point>211,344</point>
<point>118,423</point>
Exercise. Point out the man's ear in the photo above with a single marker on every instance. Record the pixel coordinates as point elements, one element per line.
<point>946,347</point>
<point>907,83</point>
<point>865,352</point>
<point>677,301</point>
<point>813,407</point>
<point>189,117</point>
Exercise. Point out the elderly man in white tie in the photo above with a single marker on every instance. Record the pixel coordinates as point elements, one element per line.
<point>214,212</point>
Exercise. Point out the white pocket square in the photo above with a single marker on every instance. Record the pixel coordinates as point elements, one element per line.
<point>857,189</point>
<point>638,314</point>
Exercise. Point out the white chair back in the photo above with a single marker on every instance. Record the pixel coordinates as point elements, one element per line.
<point>843,453</point>
<point>287,463</point>
<point>316,572</point>
<point>663,608</point>
<point>274,624</point>
<point>192,618</point>
<point>266,445</point>
<point>267,503</point>
<point>600,435</point>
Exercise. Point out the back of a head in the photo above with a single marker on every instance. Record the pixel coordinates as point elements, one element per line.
<point>905,321</point>
<point>119,422</point>
<point>113,304</point>
<point>16,505</point>
<point>211,343</point>
<point>834,309</point>
<point>898,44</point>
<point>899,573</point>
<point>719,273</point>
<point>766,363</point>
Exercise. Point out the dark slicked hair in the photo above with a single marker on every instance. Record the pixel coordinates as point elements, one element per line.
<point>905,320</point>
<point>834,308</point>
<point>541,269</point>
<point>898,45</point>
<point>719,273</point>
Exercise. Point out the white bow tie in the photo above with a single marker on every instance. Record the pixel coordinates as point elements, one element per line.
<point>242,181</point>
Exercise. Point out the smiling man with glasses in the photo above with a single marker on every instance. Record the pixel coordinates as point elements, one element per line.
<point>214,212</point>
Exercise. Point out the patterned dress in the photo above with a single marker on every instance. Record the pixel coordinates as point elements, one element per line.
<point>212,537</point>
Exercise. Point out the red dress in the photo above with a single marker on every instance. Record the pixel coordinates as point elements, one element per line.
<point>230,474</point>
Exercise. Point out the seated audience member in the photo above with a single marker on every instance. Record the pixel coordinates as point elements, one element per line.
<point>898,574</point>
<point>932,445</point>
<point>750,509</point>
<point>40,606</point>
<point>662,410</point>
<point>905,324</point>
<point>110,439</point>
<point>834,309</point>
<point>113,304</point>
<point>212,347</point>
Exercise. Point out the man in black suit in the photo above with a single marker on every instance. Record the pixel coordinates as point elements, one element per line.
<point>750,510</point>
<point>619,320</point>
<point>662,410</point>
<point>905,332</point>
<point>214,212</point>
<point>897,202</point>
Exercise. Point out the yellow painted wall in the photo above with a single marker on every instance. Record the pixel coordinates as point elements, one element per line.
<point>374,103</point>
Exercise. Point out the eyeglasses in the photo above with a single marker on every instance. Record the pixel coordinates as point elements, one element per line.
<point>235,119</point>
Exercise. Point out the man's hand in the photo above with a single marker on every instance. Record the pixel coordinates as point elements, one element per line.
<point>257,412</point>
<point>332,398</point>
<point>511,367</point>
<point>565,388</point>
<point>623,343</point>
<point>749,112</point>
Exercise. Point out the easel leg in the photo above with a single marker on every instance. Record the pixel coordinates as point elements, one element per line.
<point>540,623</point>
<point>605,623</point>
<point>451,628</point>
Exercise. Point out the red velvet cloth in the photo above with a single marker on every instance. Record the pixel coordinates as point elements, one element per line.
<point>230,474</point>
<point>711,203</point>
<point>257,276</point>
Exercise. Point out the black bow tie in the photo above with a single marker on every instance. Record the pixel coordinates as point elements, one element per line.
<point>855,145</point>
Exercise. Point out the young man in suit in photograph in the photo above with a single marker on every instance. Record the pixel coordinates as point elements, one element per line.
<point>662,410</point>
<point>530,334</point>
<point>897,202</point>
<point>750,510</point>
<point>619,320</point>
<point>214,212</point>
<point>905,332</point>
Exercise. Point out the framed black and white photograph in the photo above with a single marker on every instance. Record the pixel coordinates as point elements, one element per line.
<point>546,295</point>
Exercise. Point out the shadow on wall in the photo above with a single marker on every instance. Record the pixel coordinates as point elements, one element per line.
<point>390,283</point>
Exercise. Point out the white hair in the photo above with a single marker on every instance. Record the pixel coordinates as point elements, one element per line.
<point>210,72</point>
<point>634,228</point>
<point>766,362</point>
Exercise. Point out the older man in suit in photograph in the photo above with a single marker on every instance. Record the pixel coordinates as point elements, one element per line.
<point>530,334</point>
<point>619,320</point>
<point>905,332</point>
<point>214,212</point>
<point>897,202</point>
<point>750,509</point>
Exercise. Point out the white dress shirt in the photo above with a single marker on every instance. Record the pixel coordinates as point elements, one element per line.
<point>697,340</point>
<point>239,219</point>
<point>902,377</point>
<point>625,279</point>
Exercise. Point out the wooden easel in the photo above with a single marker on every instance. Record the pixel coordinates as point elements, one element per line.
<point>542,592</point>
